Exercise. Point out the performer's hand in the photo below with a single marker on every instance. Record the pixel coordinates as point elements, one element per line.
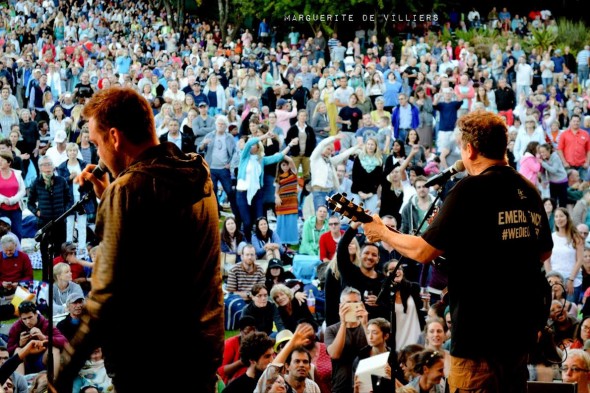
<point>374,229</point>
<point>100,184</point>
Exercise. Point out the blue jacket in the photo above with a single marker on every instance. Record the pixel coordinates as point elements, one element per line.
<point>395,118</point>
<point>245,156</point>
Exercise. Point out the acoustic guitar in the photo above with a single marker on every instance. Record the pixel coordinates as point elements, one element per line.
<point>340,204</point>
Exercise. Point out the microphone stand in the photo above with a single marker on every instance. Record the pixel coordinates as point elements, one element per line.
<point>40,236</point>
<point>390,287</point>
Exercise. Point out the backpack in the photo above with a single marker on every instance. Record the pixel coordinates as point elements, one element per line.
<point>234,304</point>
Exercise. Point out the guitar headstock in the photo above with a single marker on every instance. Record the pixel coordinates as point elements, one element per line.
<point>340,204</point>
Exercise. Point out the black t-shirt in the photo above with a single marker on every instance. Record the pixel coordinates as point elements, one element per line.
<point>493,230</point>
<point>241,384</point>
<point>352,114</point>
<point>84,90</point>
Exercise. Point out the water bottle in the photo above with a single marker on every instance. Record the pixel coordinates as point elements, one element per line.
<point>311,301</point>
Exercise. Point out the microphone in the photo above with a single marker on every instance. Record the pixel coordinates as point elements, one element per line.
<point>444,176</point>
<point>98,172</point>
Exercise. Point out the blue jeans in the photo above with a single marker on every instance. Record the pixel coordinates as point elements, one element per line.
<point>583,72</point>
<point>224,177</point>
<point>403,134</point>
<point>249,212</point>
<point>547,82</point>
<point>319,198</point>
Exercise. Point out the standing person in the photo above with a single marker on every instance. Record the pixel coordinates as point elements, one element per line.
<point>500,366</point>
<point>250,183</point>
<point>555,172</point>
<point>404,116</point>
<point>573,147</point>
<point>49,198</point>
<point>367,171</point>
<point>69,169</point>
<point>306,142</point>
<point>568,253</point>
<point>409,317</point>
<point>218,147</point>
<point>12,192</point>
<point>448,109</point>
<point>154,184</point>
<point>286,204</point>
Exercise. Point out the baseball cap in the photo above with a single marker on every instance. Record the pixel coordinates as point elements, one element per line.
<point>274,262</point>
<point>60,137</point>
<point>6,220</point>
<point>74,297</point>
<point>202,103</point>
<point>281,102</point>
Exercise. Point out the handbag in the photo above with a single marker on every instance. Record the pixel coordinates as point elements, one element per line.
<point>227,262</point>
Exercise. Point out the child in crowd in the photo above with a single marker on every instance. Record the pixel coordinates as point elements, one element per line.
<point>384,134</point>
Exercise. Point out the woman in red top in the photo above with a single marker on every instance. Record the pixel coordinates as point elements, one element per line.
<point>12,191</point>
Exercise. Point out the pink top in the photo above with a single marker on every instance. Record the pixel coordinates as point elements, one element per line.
<point>530,167</point>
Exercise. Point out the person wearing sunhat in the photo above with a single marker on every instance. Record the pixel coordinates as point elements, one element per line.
<point>282,338</point>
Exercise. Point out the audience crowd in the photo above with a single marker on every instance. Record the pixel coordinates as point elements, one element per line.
<point>284,121</point>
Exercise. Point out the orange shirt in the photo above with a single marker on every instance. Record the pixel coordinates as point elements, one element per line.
<point>575,146</point>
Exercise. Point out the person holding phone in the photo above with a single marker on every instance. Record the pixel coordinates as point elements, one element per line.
<point>346,338</point>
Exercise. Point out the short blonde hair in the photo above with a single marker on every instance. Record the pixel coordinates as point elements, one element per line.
<point>281,288</point>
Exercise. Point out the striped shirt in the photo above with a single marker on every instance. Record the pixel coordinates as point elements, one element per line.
<point>239,280</point>
<point>583,56</point>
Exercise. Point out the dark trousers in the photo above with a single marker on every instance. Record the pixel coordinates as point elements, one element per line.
<point>51,246</point>
<point>249,212</point>
<point>224,177</point>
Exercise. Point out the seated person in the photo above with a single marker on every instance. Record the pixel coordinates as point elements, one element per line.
<point>31,325</point>
<point>81,269</point>
<point>240,280</point>
<point>10,364</point>
<point>70,324</point>
<point>231,238</point>
<point>63,287</point>
<point>291,309</point>
<point>265,313</point>
<point>231,364</point>
<point>94,373</point>
<point>15,266</point>
<point>329,240</point>
<point>276,273</point>
<point>266,242</point>
<point>245,274</point>
<point>6,229</point>
<point>313,228</point>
